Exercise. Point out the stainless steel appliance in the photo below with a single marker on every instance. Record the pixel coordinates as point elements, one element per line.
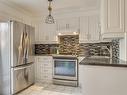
<point>16,57</point>
<point>65,71</point>
<point>22,77</point>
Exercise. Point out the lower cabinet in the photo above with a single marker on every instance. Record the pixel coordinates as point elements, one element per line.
<point>43,69</point>
<point>81,76</point>
<point>81,72</point>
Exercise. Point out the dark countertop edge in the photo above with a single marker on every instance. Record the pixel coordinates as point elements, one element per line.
<point>59,56</point>
<point>43,54</point>
<point>56,55</point>
<point>104,65</point>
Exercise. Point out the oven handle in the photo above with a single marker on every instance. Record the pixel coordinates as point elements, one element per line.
<point>65,60</point>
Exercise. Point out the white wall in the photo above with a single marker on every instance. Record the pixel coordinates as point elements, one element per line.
<point>10,12</point>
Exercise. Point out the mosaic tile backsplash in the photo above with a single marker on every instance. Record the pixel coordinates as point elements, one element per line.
<point>95,49</point>
<point>45,48</point>
<point>70,45</point>
<point>115,48</point>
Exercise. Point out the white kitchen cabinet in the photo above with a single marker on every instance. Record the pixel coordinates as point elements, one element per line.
<point>45,33</point>
<point>125,15</point>
<point>43,69</point>
<point>112,18</point>
<point>67,25</point>
<point>89,29</point>
<point>81,76</point>
<point>81,72</point>
<point>102,80</point>
<point>94,29</point>
<point>84,29</point>
<point>48,33</point>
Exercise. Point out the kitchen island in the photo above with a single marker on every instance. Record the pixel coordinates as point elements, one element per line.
<point>103,76</point>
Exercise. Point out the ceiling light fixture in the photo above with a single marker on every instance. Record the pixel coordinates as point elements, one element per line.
<point>49,18</point>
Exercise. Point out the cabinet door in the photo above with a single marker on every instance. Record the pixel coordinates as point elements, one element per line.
<point>125,15</point>
<point>61,25</point>
<point>68,25</point>
<point>36,25</point>
<point>38,69</point>
<point>94,31</point>
<point>43,69</point>
<point>47,33</point>
<point>81,76</point>
<point>112,15</point>
<point>84,29</point>
<point>73,24</point>
<point>51,32</point>
<point>42,32</point>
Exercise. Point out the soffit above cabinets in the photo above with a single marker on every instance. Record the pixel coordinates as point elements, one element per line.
<point>37,7</point>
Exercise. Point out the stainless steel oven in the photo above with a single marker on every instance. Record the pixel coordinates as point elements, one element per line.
<point>65,71</point>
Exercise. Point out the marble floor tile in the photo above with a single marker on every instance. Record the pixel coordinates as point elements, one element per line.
<point>50,89</point>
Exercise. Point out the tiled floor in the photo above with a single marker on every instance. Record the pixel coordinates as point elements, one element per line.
<point>50,89</point>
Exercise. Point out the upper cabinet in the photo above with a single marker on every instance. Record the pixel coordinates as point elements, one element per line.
<point>125,15</point>
<point>46,33</point>
<point>112,18</point>
<point>94,29</point>
<point>89,29</point>
<point>67,25</point>
<point>84,29</point>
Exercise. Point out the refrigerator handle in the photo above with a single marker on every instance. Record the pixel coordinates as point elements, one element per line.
<point>20,68</point>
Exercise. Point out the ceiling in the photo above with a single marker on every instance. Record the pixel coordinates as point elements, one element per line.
<point>38,7</point>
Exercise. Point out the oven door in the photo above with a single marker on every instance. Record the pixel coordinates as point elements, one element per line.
<point>65,69</point>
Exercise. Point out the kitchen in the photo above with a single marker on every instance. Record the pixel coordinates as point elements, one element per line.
<point>63,47</point>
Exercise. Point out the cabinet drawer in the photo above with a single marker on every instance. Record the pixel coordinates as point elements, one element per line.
<point>45,59</point>
<point>47,65</point>
<point>48,71</point>
<point>47,76</point>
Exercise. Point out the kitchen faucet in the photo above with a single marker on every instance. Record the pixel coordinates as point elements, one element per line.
<point>106,48</point>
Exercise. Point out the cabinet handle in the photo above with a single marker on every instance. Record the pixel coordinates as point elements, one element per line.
<point>67,26</point>
<point>99,30</point>
<point>89,36</point>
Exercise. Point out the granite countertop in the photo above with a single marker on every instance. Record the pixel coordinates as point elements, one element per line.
<point>103,62</point>
<point>58,55</point>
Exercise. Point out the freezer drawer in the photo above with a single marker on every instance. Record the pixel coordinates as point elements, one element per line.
<point>22,77</point>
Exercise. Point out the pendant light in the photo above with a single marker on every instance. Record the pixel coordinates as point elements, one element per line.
<point>49,19</point>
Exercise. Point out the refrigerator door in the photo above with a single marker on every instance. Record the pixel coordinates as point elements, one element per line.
<point>4,59</point>
<point>17,43</point>
<point>22,44</point>
<point>30,40</point>
<point>23,77</point>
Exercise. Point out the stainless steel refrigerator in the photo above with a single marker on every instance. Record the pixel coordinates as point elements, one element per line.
<point>16,57</point>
